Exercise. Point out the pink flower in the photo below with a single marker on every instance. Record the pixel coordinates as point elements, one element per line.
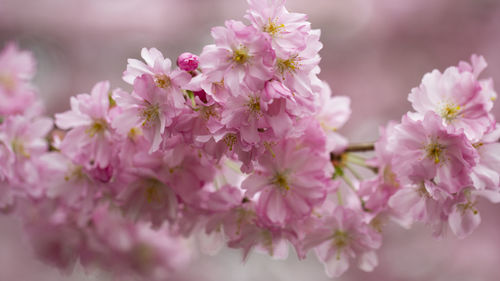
<point>126,248</point>
<point>188,61</point>
<point>343,236</point>
<point>143,197</point>
<point>90,140</point>
<point>241,57</point>
<point>71,185</point>
<point>377,191</point>
<point>334,111</point>
<point>298,70</point>
<point>423,202</point>
<point>22,143</point>
<point>243,230</point>
<point>290,181</point>
<point>149,107</point>
<point>17,68</point>
<point>427,151</point>
<point>458,97</point>
<point>158,67</point>
<point>287,30</point>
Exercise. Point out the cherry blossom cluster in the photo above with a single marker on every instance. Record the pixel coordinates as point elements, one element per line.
<point>442,156</point>
<point>237,146</point>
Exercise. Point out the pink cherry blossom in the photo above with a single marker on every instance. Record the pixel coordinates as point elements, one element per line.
<point>90,140</point>
<point>149,107</point>
<point>343,236</point>
<point>427,151</point>
<point>241,57</point>
<point>458,97</point>
<point>22,143</point>
<point>17,95</point>
<point>288,30</point>
<point>290,181</point>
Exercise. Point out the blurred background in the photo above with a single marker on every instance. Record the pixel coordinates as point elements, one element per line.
<point>374,51</point>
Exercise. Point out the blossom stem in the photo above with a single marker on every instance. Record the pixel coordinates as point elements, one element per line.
<point>339,198</point>
<point>349,183</point>
<point>353,172</point>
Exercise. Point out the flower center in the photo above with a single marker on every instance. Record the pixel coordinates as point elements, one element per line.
<point>280,181</point>
<point>18,148</point>
<point>450,112</point>
<point>162,81</point>
<point>254,105</point>
<point>98,127</point>
<point>273,28</point>
<point>150,114</point>
<point>208,111</point>
<point>240,55</point>
<point>75,173</point>
<point>291,64</point>
<point>230,140</point>
<point>8,82</point>
<point>434,151</point>
<point>153,191</point>
<point>340,238</point>
<point>134,133</point>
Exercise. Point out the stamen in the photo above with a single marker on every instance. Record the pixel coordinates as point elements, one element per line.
<point>254,105</point>
<point>230,140</point>
<point>150,114</point>
<point>8,82</point>
<point>240,55</point>
<point>162,81</point>
<point>280,181</point>
<point>273,28</point>
<point>18,148</point>
<point>153,191</point>
<point>291,64</point>
<point>434,151</point>
<point>450,112</point>
<point>99,126</point>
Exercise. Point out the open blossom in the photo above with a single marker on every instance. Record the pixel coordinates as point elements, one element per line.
<point>288,30</point>
<point>333,114</point>
<point>144,197</point>
<point>22,143</point>
<point>134,248</point>
<point>426,151</point>
<point>159,70</point>
<point>486,174</point>
<point>298,70</point>
<point>458,97</point>
<point>90,140</point>
<point>17,68</point>
<point>242,229</point>
<point>290,180</point>
<point>343,236</point>
<point>156,66</point>
<point>377,191</point>
<point>241,56</point>
<point>149,107</point>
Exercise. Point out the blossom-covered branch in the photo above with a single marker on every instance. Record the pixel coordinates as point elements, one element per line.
<point>238,146</point>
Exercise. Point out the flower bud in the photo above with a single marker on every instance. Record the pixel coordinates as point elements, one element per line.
<point>188,61</point>
<point>202,95</point>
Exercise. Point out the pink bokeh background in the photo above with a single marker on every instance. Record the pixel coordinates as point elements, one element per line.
<point>374,51</point>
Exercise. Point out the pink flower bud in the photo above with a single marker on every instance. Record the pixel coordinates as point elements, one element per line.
<point>202,95</point>
<point>188,61</point>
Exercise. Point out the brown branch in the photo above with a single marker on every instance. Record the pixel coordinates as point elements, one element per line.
<point>360,147</point>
